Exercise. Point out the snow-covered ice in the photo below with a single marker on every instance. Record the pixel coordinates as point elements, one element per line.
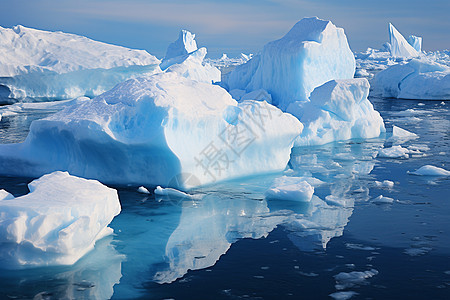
<point>313,52</point>
<point>384,184</point>
<point>290,188</point>
<point>429,170</point>
<point>337,110</point>
<point>43,64</point>
<point>343,295</point>
<point>148,131</point>
<point>399,46</point>
<point>57,223</point>
<point>420,79</point>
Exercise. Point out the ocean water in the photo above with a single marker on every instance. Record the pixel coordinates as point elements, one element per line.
<point>232,243</point>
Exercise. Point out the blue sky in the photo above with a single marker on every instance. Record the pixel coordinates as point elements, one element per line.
<point>229,26</point>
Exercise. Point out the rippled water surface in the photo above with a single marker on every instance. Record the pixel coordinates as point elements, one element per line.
<point>232,243</point>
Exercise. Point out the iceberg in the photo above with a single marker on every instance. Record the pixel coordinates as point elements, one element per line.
<point>157,130</point>
<point>419,79</point>
<point>313,52</point>
<point>57,223</point>
<point>57,65</point>
<point>399,47</point>
<point>183,58</point>
<point>337,110</point>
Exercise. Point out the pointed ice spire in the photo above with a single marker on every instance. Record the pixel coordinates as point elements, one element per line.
<point>399,46</point>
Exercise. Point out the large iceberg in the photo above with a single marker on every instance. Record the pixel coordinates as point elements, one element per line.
<point>313,52</point>
<point>157,130</point>
<point>57,65</point>
<point>417,79</point>
<point>337,110</point>
<point>183,58</point>
<point>399,47</point>
<point>57,223</point>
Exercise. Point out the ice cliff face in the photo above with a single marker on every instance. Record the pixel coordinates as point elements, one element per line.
<point>313,52</point>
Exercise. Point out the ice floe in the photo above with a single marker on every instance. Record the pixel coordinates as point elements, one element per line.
<point>57,223</point>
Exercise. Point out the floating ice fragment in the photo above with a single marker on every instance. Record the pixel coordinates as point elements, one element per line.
<point>348,280</point>
<point>393,152</point>
<point>382,200</point>
<point>345,295</point>
<point>172,193</point>
<point>385,184</point>
<point>143,190</point>
<point>429,170</point>
<point>57,223</point>
<point>290,188</point>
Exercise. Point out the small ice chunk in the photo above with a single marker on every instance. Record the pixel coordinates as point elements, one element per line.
<point>143,190</point>
<point>343,295</point>
<point>336,201</point>
<point>385,184</point>
<point>348,280</point>
<point>393,152</point>
<point>4,195</point>
<point>290,188</point>
<point>172,193</point>
<point>382,200</point>
<point>429,170</point>
<point>359,247</point>
<point>402,133</point>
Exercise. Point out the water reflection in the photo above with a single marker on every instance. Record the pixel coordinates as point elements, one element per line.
<point>93,277</point>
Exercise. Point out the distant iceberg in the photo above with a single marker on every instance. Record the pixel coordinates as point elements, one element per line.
<point>417,79</point>
<point>57,223</point>
<point>57,65</point>
<point>313,52</point>
<point>399,47</point>
<point>157,130</point>
<point>183,58</point>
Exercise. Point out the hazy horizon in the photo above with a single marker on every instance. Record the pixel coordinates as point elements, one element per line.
<point>229,27</point>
